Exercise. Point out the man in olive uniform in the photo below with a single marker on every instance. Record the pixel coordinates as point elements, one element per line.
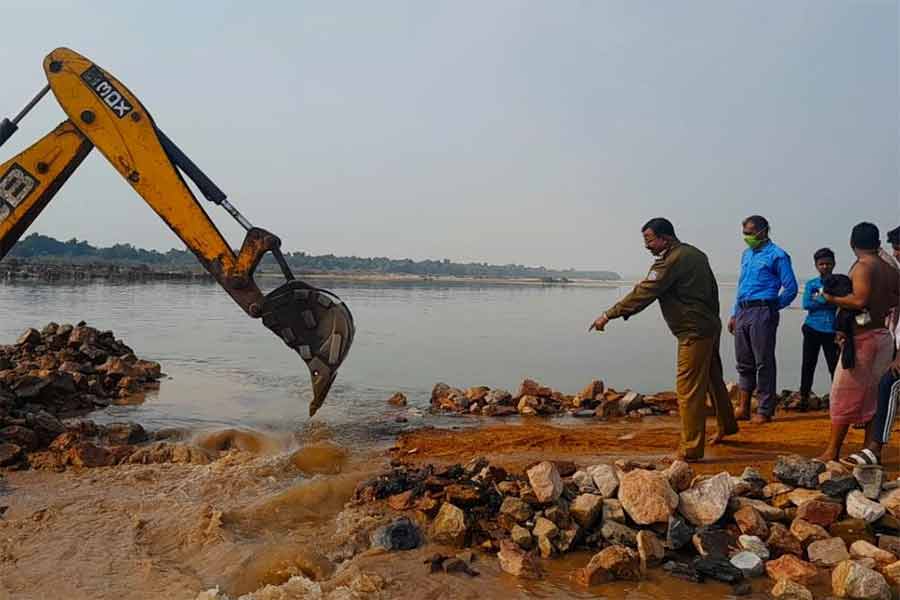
<point>683,282</point>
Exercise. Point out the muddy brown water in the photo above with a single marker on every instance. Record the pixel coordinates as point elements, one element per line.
<point>274,506</point>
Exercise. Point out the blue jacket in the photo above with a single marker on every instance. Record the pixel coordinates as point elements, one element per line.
<point>766,274</point>
<point>821,314</point>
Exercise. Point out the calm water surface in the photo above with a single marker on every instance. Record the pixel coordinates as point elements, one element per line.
<point>228,369</point>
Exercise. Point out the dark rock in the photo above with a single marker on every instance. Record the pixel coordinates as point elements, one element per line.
<point>20,436</point>
<point>713,543</point>
<point>616,533</point>
<point>798,471</point>
<point>840,486</point>
<point>683,570</point>
<point>401,534</point>
<point>678,534</point>
<point>852,530</point>
<point>742,588</point>
<point>458,565</point>
<point>30,386</point>
<point>86,454</point>
<point>29,336</point>
<point>463,495</point>
<point>718,568</point>
<point>10,454</point>
<point>781,541</point>
<point>435,563</point>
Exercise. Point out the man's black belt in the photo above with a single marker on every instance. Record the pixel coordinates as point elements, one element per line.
<point>752,303</point>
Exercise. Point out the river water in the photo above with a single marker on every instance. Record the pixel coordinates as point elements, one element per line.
<point>285,497</point>
<point>227,369</point>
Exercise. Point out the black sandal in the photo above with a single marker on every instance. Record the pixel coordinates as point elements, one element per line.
<point>862,458</point>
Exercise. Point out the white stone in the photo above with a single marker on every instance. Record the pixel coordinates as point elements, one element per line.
<point>705,502</point>
<point>605,479</point>
<point>584,481</point>
<point>751,543</point>
<point>749,563</point>
<point>860,507</point>
<point>545,481</point>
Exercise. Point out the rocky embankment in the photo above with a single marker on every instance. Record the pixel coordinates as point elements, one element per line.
<point>50,377</point>
<point>814,527</point>
<point>595,400</point>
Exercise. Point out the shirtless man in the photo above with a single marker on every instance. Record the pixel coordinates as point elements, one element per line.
<point>876,290</point>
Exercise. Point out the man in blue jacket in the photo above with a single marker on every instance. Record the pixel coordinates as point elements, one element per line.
<point>767,284</point>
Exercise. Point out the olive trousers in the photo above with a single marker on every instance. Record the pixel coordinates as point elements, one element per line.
<point>699,375</point>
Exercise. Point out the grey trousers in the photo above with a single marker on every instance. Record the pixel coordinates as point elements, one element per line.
<point>754,348</point>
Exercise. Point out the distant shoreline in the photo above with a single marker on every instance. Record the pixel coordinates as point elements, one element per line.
<point>78,272</point>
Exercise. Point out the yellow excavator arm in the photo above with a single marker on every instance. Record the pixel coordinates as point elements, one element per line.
<point>102,112</point>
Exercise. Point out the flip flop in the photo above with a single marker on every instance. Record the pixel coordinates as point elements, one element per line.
<point>863,457</point>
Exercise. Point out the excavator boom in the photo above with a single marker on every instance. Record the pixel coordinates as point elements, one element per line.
<point>104,113</point>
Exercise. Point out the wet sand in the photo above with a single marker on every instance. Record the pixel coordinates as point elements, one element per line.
<point>518,444</point>
<point>274,507</point>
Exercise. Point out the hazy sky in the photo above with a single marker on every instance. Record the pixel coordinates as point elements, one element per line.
<point>503,131</point>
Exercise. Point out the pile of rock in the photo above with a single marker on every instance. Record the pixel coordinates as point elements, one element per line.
<point>59,372</point>
<point>815,523</point>
<point>83,443</point>
<point>532,398</point>
<point>594,400</point>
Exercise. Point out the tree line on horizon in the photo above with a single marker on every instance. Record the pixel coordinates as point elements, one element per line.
<point>38,247</point>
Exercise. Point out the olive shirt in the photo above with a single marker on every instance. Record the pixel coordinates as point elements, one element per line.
<point>683,282</point>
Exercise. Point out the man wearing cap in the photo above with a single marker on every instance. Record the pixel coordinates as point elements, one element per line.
<point>767,284</point>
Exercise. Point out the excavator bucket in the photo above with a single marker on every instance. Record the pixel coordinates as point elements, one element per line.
<point>316,324</point>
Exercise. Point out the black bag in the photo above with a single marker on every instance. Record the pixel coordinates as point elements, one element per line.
<point>844,320</point>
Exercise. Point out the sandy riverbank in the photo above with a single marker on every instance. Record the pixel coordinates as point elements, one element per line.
<point>275,507</point>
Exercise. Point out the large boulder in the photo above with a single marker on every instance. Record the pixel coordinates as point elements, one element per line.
<point>750,522</point>
<point>870,478</point>
<point>401,534</point>
<point>680,475</point>
<point>749,563</point>
<point>852,580</point>
<point>890,500</point>
<point>790,590</point>
<point>705,502</point>
<point>545,481</point>
<point>587,509</point>
<point>605,479</point>
<point>863,549</point>
<point>820,512</point>
<point>807,532</point>
<point>517,562</point>
<point>10,453</point>
<point>519,510</point>
<point>647,497</point>
<point>792,568</point>
<point>678,533</point>
<point>615,563</point>
<point>828,552</point>
<point>450,526</point>
<point>650,548</point>
<point>769,512</point>
<point>781,541</point>
<point>798,471</point>
<point>751,543</point>
<point>617,533</point>
<point>860,507</point>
